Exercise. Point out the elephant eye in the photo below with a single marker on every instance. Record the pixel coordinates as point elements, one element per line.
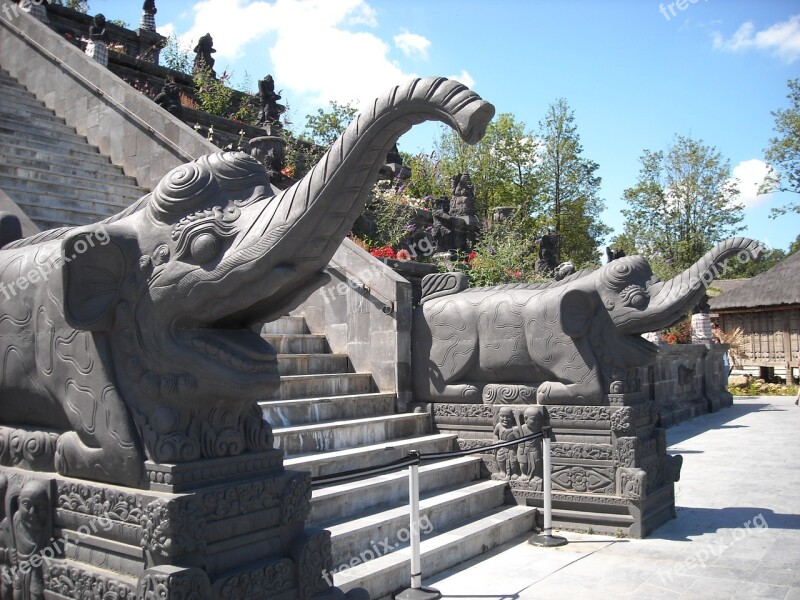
<point>204,248</point>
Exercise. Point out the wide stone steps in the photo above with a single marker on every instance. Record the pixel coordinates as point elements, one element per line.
<point>54,175</point>
<point>350,500</point>
<point>337,430</point>
<point>351,538</point>
<point>340,435</point>
<point>375,455</point>
<point>391,572</point>
<point>302,411</point>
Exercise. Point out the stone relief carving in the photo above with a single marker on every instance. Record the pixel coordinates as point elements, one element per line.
<point>571,339</point>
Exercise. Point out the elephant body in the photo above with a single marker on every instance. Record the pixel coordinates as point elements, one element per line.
<point>571,338</point>
<point>130,340</point>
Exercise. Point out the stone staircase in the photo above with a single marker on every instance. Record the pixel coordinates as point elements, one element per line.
<point>55,176</point>
<point>327,420</point>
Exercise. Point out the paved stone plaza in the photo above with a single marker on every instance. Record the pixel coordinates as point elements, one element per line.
<point>737,534</point>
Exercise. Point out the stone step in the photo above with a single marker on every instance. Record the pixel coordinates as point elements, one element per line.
<point>339,435</point>
<point>390,527</point>
<point>52,211</point>
<point>11,118</point>
<point>80,192</point>
<point>348,500</point>
<point>375,455</point>
<point>326,384</point>
<point>109,184</point>
<point>32,113</point>
<point>313,364</point>
<point>47,144</point>
<point>302,411</point>
<point>67,168</point>
<point>88,156</point>
<point>285,325</point>
<point>16,93</point>
<point>391,572</point>
<point>63,134</point>
<point>298,343</point>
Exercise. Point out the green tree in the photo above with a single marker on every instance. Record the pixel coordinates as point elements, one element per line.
<point>324,127</point>
<point>683,202</point>
<point>794,246</point>
<point>568,187</point>
<point>783,153</point>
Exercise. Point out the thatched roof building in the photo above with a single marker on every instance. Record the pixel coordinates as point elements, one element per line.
<point>767,309</point>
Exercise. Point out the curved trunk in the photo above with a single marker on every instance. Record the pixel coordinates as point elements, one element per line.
<point>302,226</point>
<point>671,300</point>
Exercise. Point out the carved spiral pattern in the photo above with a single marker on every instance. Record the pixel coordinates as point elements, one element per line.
<point>177,447</point>
<point>635,296</point>
<point>236,170</point>
<point>184,188</point>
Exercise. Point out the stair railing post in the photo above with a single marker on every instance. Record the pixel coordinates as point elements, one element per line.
<point>546,538</point>
<point>416,591</point>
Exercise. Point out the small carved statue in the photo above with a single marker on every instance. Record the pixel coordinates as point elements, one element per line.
<point>529,453</point>
<point>203,61</point>
<point>506,458</point>
<point>442,230</point>
<point>148,20</point>
<point>97,45</point>
<point>563,270</point>
<point>393,169</point>
<point>548,251</point>
<point>38,10</point>
<point>170,98</point>
<point>30,532</point>
<point>271,111</point>
<point>462,212</point>
<point>613,254</point>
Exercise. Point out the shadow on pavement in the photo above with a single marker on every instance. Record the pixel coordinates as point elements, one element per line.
<point>717,420</point>
<point>692,522</point>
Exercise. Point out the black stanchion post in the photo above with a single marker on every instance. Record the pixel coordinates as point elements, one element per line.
<point>546,538</point>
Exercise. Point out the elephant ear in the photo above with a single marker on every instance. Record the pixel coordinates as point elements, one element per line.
<point>92,275</point>
<point>576,312</point>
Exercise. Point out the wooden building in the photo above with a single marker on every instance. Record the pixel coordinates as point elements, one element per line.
<point>767,309</point>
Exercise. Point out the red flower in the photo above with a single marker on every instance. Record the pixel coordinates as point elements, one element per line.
<point>471,256</point>
<point>383,252</point>
<point>403,254</point>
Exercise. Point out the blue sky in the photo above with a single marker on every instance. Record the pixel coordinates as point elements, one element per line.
<point>636,72</point>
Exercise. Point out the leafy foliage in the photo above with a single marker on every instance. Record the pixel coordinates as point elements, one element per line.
<point>323,128</point>
<point>505,253</point>
<point>683,203</point>
<point>569,186</point>
<point>177,57</point>
<point>783,153</point>
<point>81,6</point>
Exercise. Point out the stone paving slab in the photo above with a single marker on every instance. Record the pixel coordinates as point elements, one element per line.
<point>737,534</point>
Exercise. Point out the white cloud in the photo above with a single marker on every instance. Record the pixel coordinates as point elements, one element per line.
<point>750,174</point>
<point>782,40</point>
<point>412,45</point>
<point>464,78</point>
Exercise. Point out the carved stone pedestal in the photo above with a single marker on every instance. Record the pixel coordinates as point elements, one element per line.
<point>209,530</point>
<point>611,472</point>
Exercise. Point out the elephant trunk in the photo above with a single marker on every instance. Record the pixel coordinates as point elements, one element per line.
<point>301,227</point>
<point>671,300</point>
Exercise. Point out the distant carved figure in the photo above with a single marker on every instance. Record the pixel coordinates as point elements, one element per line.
<point>548,251</point>
<point>612,254</point>
<point>462,212</point>
<point>30,532</point>
<point>170,99</point>
<point>529,453</point>
<point>203,61</point>
<point>393,169</point>
<point>148,20</point>
<point>563,270</point>
<point>271,111</point>
<point>505,431</point>
<point>442,230</point>
<point>97,45</point>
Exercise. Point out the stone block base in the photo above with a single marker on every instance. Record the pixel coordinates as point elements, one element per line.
<point>243,538</point>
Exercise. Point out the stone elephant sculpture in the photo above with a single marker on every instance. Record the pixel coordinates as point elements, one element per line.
<point>571,338</point>
<point>128,340</point>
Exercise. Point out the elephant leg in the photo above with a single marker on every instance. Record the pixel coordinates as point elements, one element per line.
<point>587,393</point>
<point>463,393</point>
<point>102,445</point>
